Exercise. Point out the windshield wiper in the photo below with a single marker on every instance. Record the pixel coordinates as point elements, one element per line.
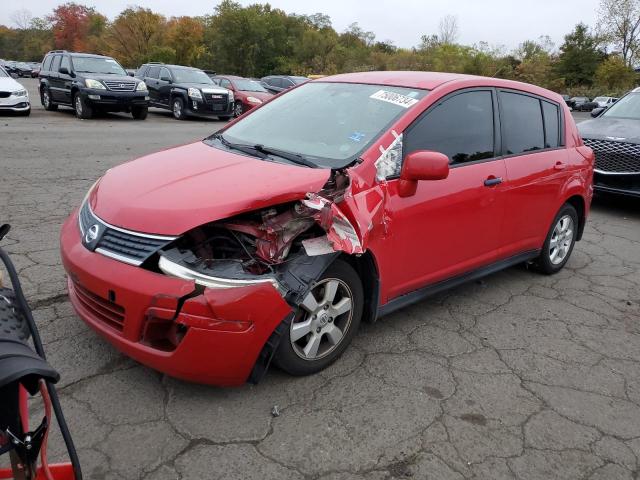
<point>241,147</point>
<point>292,157</point>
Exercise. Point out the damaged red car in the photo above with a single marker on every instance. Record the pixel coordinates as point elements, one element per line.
<point>341,201</point>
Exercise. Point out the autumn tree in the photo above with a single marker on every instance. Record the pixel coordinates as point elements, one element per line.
<point>185,35</point>
<point>619,22</point>
<point>76,27</point>
<point>135,35</point>
<point>615,75</point>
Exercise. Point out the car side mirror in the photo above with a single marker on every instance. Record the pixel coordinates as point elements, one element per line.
<point>63,70</point>
<point>131,74</point>
<point>166,79</point>
<point>421,165</point>
<point>597,111</point>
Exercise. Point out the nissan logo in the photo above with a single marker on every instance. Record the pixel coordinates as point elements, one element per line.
<point>92,233</point>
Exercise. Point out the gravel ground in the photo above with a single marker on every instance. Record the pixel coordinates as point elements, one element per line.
<point>516,376</point>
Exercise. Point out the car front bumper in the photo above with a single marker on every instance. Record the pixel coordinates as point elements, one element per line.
<point>200,107</point>
<point>223,331</point>
<point>15,104</point>
<point>619,183</point>
<point>110,98</point>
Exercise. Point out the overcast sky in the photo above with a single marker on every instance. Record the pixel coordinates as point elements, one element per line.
<point>499,22</point>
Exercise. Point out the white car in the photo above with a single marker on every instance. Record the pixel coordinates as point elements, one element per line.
<point>14,97</point>
<point>604,101</point>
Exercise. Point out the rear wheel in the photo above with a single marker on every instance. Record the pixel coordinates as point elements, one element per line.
<point>560,241</point>
<point>82,108</point>
<point>177,108</point>
<point>324,324</point>
<point>139,113</point>
<point>45,99</point>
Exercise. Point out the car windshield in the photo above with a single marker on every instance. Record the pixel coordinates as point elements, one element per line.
<point>601,99</point>
<point>97,65</point>
<point>626,107</point>
<point>330,124</point>
<point>299,80</point>
<point>183,75</point>
<point>3,73</point>
<point>248,85</point>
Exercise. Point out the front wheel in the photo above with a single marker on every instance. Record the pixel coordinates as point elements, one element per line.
<point>82,108</point>
<point>45,99</point>
<point>139,113</point>
<point>238,109</point>
<point>177,108</point>
<point>325,322</point>
<point>560,241</point>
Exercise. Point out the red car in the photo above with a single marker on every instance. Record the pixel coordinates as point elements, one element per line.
<point>341,201</point>
<point>247,93</point>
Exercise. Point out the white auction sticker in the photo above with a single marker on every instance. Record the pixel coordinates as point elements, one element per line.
<point>395,98</point>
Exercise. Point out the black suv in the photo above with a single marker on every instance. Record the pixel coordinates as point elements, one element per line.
<point>89,82</point>
<point>185,91</point>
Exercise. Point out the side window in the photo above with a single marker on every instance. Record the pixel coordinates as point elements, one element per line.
<point>276,82</point>
<point>141,71</point>
<point>46,65</point>
<point>286,83</point>
<point>153,72</point>
<point>521,119</point>
<point>56,63</point>
<point>551,125</point>
<point>164,74</point>
<point>65,63</point>
<point>461,127</point>
<point>225,83</point>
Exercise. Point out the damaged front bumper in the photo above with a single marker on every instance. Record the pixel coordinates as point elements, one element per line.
<point>204,335</point>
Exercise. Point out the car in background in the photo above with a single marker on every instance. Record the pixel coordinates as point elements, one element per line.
<point>35,69</point>
<point>581,104</point>
<point>21,69</point>
<point>567,99</point>
<point>14,97</point>
<point>247,93</point>
<point>280,83</point>
<point>87,83</point>
<point>614,136</point>
<point>186,91</point>
<point>273,239</point>
<point>604,102</point>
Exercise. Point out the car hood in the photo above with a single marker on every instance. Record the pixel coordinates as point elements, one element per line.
<point>611,128</point>
<point>204,86</point>
<point>8,84</point>
<point>264,96</point>
<point>111,78</point>
<point>173,191</point>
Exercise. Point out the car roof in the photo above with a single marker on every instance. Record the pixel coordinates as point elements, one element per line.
<point>233,77</point>
<point>167,65</point>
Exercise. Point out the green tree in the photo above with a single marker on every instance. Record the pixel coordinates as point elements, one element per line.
<point>579,57</point>
<point>135,34</point>
<point>614,75</point>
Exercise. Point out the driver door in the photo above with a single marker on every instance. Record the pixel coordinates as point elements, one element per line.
<point>451,226</point>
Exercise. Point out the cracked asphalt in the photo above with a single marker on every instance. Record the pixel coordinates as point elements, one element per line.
<point>516,376</point>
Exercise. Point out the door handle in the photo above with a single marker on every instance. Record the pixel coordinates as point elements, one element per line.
<point>491,181</point>
<point>560,166</point>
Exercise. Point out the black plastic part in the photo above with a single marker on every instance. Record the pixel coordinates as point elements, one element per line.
<point>18,363</point>
<point>37,342</point>
<point>12,321</point>
<point>268,351</point>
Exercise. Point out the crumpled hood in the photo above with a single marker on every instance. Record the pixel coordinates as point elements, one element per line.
<point>173,191</point>
<point>611,128</point>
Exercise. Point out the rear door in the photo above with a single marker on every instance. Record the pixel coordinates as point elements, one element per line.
<point>449,226</point>
<point>65,79</point>
<point>537,167</point>
<point>55,86</point>
<point>164,86</point>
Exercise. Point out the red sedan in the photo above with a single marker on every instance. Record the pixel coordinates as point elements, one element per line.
<point>247,93</point>
<point>341,201</point>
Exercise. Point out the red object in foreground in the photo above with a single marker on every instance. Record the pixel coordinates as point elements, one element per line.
<point>199,261</point>
<point>59,471</point>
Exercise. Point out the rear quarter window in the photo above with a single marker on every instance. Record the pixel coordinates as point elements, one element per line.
<point>46,65</point>
<point>522,124</point>
<point>551,115</point>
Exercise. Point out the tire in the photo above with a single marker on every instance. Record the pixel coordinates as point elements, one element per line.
<point>45,100</point>
<point>139,113</point>
<point>12,321</point>
<point>177,108</point>
<point>323,327</point>
<point>238,109</point>
<point>82,108</point>
<point>560,241</point>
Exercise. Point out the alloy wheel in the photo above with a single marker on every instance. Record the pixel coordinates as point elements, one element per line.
<point>177,109</point>
<point>78,104</point>
<point>238,109</point>
<point>327,311</point>
<point>45,99</point>
<point>561,240</point>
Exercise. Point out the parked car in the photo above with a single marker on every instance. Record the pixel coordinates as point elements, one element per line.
<point>88,83</point>
<point>186,91</point>
<point>279,83</point>
<point>22,69</point>
<point>604,102</point>
<point>341,201</point>
<point>35,69</point>
<point>247,93</point>
<point>614,136</point>
<point>13,96</point>
<point>581,104</point>
<point>567,99</point>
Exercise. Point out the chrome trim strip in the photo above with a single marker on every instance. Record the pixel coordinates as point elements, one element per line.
<point>604,172</point>
<point>115,256</point>
<point>176,270</point>
<point>131,232</point>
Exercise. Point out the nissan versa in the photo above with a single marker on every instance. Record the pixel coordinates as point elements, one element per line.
<point>341,201</point>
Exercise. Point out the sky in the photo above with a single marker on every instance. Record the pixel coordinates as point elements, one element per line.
<point>498,22</point>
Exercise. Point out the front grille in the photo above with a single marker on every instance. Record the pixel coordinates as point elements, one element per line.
<point>124,245</point>
<point>5,94</point>
<point>615,157</point>
<point>117,86</point>
<point>216,98</point>
<point>107,312</point>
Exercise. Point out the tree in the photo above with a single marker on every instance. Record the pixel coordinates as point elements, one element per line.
<point>619,22</point>
<point>615,75</point>
<point>134,34</point>
<point>579,57</point>
<point>185,36</point>
<point>75,26</point>
<point>22,18</point>
<point>448,29</point>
